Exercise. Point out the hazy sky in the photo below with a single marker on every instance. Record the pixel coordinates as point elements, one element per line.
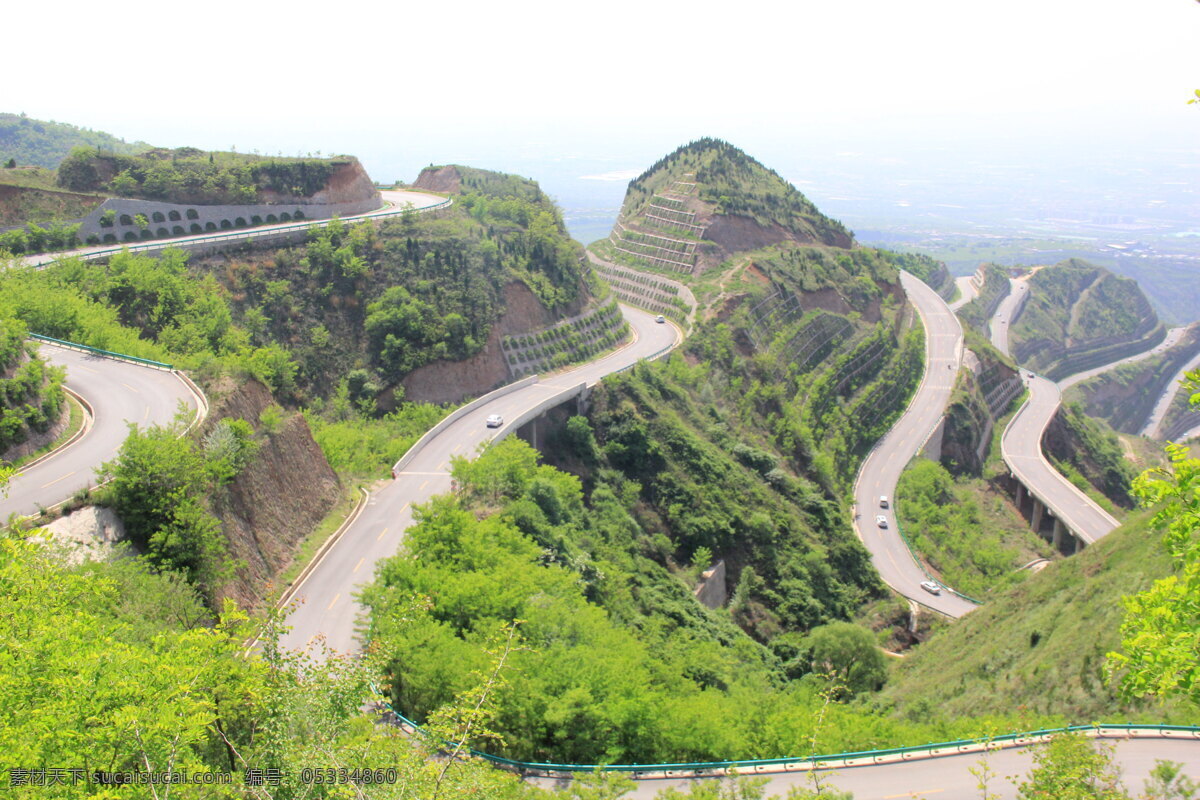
<point>438,81</point>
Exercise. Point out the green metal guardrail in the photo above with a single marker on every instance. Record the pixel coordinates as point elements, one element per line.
<point>100,352</point>
<point>758,764</point>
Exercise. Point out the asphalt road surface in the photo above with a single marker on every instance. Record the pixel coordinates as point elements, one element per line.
<point>1021,447</point>
<point>966,291</point>
<point>949,777</point>
<point>1008,310</point>
<point>1153,424</point>
<point>325,608</point>
<point>881,470</point>
<point>119,392</point>
<point>1173,336</point>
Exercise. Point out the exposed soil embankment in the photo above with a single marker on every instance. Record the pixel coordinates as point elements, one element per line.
<point>22,204</point>
<point>348,184</point>
<point>451,381</point>
<point>281,496</point>
<point>441,179</point>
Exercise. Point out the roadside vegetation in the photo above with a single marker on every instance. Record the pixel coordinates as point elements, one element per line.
<point>31,394</point>
<point>966,531</point>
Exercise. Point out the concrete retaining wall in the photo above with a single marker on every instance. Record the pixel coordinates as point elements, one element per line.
<point>170,219</point>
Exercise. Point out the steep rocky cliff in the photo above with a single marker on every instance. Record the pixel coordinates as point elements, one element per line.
<point>280,496</point>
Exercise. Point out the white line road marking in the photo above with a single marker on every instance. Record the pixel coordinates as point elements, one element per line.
<point>56,480</point>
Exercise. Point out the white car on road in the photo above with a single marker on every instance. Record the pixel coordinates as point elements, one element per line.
<point>931,587</point>
<point>881,521</point>
<point>494,421</point>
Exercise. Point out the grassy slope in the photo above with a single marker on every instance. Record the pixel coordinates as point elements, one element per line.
<point>967,531</point>
<point>1041,645</point>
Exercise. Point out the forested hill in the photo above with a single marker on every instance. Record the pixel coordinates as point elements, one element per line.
<point>38,143</point>
<point>1080,316</point>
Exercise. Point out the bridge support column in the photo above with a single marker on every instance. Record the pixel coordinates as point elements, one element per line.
<point>1076,544</point>
<point>533,434</point>
<point>1058,534</point>
<point>1020,494</point>
<point>1035,521</point>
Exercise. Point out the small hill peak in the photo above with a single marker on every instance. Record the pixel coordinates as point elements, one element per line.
<point>709,200</point>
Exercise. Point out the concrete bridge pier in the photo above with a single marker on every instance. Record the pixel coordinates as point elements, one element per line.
<point>1058,534</point>
<point>1035,519</point>
<point>1020,493</point>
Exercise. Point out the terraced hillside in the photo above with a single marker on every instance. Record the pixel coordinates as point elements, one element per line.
<point>1081,316</point>
<point>1125,396</point>
<point>707,201</point>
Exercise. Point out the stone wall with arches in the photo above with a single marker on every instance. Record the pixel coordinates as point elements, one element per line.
<point>120,220</point>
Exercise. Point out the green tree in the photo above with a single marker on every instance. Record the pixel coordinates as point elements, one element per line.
<point>157,485</point>
<point>1160,650</point>
<point>1071,768</point>
<point>847,653</point>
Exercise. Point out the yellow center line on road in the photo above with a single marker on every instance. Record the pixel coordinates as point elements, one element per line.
<point>456,448</point>
<point>333,601</point>
<point>912,795</point>
<point>87,369</point>
<point>130,388</point>
<point>360,563</point>
<point>56,480</point>
<point>381,533</point>
<point>147,414</point>
<point>423,485</point>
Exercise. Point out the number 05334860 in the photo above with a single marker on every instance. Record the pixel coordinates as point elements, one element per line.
<point>316,776</point>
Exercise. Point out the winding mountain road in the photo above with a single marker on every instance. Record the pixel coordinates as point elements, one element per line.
<point>325,608</point>
<point>1021,442</point>
<point>119,393</point>
<point>122,392</point>
<point>966,291</point>
<point>1154,423</point>
<point>881,470</point>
